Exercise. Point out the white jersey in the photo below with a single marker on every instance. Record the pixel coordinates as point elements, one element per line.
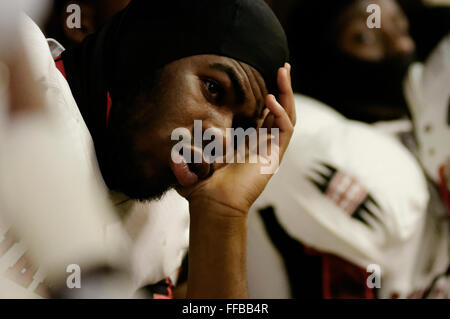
<point>427,91</point>
<point>353,201</point>
<point>150,240</point>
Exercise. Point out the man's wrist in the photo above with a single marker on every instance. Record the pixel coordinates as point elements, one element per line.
<point>217,247</point>
<point>205,207</point>
<point>216,218</point>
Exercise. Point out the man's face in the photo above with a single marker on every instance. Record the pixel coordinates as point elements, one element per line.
<point>391,40</point>
<point>219,91</point>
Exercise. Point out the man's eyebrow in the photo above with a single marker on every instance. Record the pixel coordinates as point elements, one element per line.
<point>235,81</point>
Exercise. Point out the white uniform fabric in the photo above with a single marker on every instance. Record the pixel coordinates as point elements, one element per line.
<point>52,188</point>
<point>427,91</point>
<point>160,233</point>
<point>372,209</point>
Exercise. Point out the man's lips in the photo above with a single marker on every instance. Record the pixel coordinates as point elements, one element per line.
<point>188,174</point>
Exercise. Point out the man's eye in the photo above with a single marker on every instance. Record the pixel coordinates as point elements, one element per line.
<point>214,89</point>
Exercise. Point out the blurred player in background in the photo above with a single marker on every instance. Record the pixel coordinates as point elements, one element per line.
<point>343,217</point>
<point>356,69</point>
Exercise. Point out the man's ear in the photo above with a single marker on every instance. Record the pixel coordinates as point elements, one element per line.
<point>79,20</point>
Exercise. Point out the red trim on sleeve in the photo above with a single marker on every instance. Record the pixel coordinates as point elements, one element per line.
<point>108,108</point>
<point>60,65</point>
<point>343,280</point>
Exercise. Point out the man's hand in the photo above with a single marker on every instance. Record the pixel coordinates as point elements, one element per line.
<point>238,185</point>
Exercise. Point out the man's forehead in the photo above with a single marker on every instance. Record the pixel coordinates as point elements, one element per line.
<point>246,80</point>
<point>237,65</point>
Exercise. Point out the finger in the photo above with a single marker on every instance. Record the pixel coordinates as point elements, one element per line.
<point>286,94</point>
<point>262,122</point>
<point>281,121</point>
<point>281,117</point>
<point>289,67</point>
<point>268,122</point>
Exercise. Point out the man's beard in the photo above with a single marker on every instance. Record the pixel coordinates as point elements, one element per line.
<point>123,172</point>
<point>381,81</point>
<point>366,91</point>
<point>143,189</point>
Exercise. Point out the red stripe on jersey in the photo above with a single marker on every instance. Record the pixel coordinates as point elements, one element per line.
<point>60,66</point>
<point>341,279</point>
<point>108,107</point>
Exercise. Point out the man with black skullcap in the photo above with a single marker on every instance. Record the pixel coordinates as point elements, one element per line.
<point>159,66</point>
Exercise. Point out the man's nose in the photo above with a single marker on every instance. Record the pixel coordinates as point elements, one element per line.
<point>221,119</point>
<point>401,46</point>
<point>218,123</point>
<point>217,135</point>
